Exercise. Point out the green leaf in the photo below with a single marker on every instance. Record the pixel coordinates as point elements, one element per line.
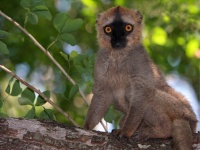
<point>69,38</point>
<point>73,54</point>
<point>91,61</point>
<point>16,89</point>
<point>8,87</point>
<point>40,101</point>
<point>159,36</point>
<point>31,114</point>
<point>33,19</point>
<point>86,63</point>
<point>3,34</point>
<point>29,4</point>
<point>73,25</point>
<point>59,44</point>
<point>192,47</point>
<point>65,56</point>
<point>78,59</point>
<point>29,94</point>
<point>1,103</point>
<point>60,21</point>
<point>2,115</point>
<point>73,91</point>
<point>25,101</point>
<point>80,69</point>
<point>42,11</point>
<point>109,116</point>
<point>25,3</point>
<point>3,48</point>
<point>47,114</point>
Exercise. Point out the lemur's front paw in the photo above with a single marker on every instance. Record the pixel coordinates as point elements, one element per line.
<point>116,132</point>
<point>119,133</point>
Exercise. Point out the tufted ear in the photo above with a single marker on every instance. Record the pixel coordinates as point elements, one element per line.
<point>98,16</point>
<point>139,16</point>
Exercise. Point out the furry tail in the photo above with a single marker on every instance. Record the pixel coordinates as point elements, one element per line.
<point>182,135</point>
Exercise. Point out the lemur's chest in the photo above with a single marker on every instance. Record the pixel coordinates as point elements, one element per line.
<point>117,74</point>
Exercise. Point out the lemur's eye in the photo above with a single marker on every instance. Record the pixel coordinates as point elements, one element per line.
<point>108,29</point>
<point>128,28</point>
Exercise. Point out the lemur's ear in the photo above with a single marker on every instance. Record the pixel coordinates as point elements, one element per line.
<point>139,15</point>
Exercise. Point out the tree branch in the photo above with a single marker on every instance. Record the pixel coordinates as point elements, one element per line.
<point>47,134</point>
<point>40,93</point>
<point>48,54</point>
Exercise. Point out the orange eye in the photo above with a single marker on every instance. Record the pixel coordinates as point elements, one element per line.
<point>128,28</point>
<point>108,29</point>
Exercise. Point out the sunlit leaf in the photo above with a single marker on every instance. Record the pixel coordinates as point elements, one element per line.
<point>65,56</point>
<point>73,25</point>
<point>159,36</point>
<point>3,34</point>
<point>42,11</point>
<point>40,101</point>
<point>73,91</point>
<point>31,113</point>
<point>192,47</point>
<point>73,54</point>
<point>69,38</point>
<point>89,3</point>
<point>16,89</point>
<point>60,21</point>
<point>3,48</point>
<point>166,18</point>
<point>180,40</point>
<point>193,9</point>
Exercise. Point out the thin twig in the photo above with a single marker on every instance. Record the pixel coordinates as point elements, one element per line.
<point>40,93</point>
<point>49,55</point>
<point>44,50</point>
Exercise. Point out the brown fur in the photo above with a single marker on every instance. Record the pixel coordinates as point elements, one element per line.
<point>128,79</point>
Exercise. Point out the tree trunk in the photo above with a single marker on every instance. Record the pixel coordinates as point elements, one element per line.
<point>25,134</point>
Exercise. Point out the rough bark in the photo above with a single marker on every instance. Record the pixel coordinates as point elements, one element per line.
<point>35,134</point>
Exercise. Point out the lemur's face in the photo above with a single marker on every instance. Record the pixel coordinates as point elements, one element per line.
<point>119,28</point>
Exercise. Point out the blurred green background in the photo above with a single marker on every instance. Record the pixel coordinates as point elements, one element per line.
<point>171,36</point>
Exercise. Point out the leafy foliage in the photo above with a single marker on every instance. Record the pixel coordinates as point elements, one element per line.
<point>47,114</point>
<point>34,9</point>
<point>14,89</point>
<point>27,97</point>
<point>1,103</point>
<point>3,115</point>
<point>31,113</point>
<point>64,26</point>
<point>3,46</point>
<point>40,101</point>
<point>73,91</point>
